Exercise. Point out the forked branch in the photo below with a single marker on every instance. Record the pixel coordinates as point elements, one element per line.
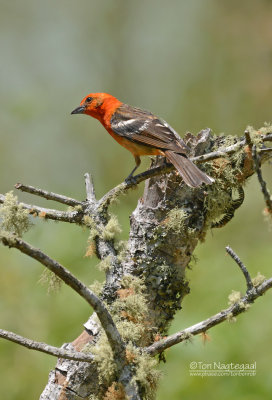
<point>203,326</point>
<point>103,314</point>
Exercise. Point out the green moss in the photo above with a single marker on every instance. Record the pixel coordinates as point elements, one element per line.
<point>258,280</point>
<point>118,191</point>
<point>51,280</point>
<point>176,220</point>
<point>234,297</point>
<point>90,223</point>
<point>75,208</point>
<point>267,128</point>
<point>96,287</point>
<point>13,218</point>
<point>255,136</point>
<point>129,312</point>
<point>131,303</point>
<point>226,172</point>
<point>121,248</point>
<point>244,306</point>
<point>112,229</point>
<point>93,397</point>
<point>146,374</point>
<point>105,264</point>
<point>134,306</point>
<point>230,318</point>
<point>134,282</point>
<point>131,331</point>
<point>103,358</point>
<point>7,237</point>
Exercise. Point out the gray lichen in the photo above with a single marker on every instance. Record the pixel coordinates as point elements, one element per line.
<point>13,218</point>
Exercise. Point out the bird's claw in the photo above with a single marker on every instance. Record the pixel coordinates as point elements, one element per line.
<point>131,180</point>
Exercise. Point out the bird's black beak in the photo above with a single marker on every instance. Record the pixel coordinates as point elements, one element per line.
<point>79,110</point>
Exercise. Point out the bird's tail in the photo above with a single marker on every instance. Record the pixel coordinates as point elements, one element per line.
<point>189,172</point>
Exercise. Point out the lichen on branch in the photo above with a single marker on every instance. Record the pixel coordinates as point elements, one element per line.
<point>13,217</point>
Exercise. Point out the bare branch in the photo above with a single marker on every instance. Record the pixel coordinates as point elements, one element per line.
<point>49,213</point>
<point>241,266</point>
<point>265,191</point>
<point>48,195</point>
<point>216,319</point>
<point>45,348</point>
<point>89,187</point>
<point>267,137</point>
<point>103,314</point>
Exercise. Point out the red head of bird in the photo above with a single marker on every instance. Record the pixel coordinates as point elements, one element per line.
<point>98,105</point>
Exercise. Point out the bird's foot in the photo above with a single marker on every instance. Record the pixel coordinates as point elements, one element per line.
<point>131,180</point>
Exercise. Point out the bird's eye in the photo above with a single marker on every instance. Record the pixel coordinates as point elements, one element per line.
<point>89,99</point>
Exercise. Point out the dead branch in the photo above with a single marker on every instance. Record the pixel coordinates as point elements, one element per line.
<point>265,191</point>
<point>241,266</point>
<point>48,213</point>
<point>48,195</point>
<point>203,326</point>
<point>46,348</point>
<point>104,316</point>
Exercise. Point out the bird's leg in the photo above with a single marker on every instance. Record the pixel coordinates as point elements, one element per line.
<point>165,161</point>
<point>138,162</point>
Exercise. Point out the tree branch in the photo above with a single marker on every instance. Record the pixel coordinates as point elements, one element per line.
<point>48,195</point>
<point>115,340</point>
<point>242,267</point>
<point>266,194</point>
<point>103,314</point>
<point>90,192</point>
<point>46,348</point>
<point>105,201</point>
<point>49,213</point>
<point>216,319</point>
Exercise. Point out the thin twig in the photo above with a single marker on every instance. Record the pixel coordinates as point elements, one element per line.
<point>90,192</point>
<point>103,314</point>
<point>242,267</point>
<point>265,191</point>
<point>48,195</point>
<point>45,348</point>
<point>267,137</point>
<point>216,319</point>
<point>48,213</point>
<point>105,201</point>
<point>266,150</point>
<point>248,138</point>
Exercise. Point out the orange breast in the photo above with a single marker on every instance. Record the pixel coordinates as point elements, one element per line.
<point>135,148</point>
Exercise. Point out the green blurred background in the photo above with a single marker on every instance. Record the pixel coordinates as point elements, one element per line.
<point>195,63</point>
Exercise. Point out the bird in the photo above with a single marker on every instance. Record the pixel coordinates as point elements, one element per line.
<point>142,133</point>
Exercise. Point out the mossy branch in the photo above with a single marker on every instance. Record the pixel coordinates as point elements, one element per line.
<point>202,327</point>
<point>104,316</point>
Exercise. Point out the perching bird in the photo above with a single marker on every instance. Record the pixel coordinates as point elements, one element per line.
<point>142,133</point>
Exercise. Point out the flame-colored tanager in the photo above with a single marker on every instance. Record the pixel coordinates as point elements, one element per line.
<point>142,133</point>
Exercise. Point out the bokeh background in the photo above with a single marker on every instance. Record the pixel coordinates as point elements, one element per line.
<point>198,63</point>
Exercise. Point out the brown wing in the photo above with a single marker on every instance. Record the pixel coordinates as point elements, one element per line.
<point>143,127</point>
